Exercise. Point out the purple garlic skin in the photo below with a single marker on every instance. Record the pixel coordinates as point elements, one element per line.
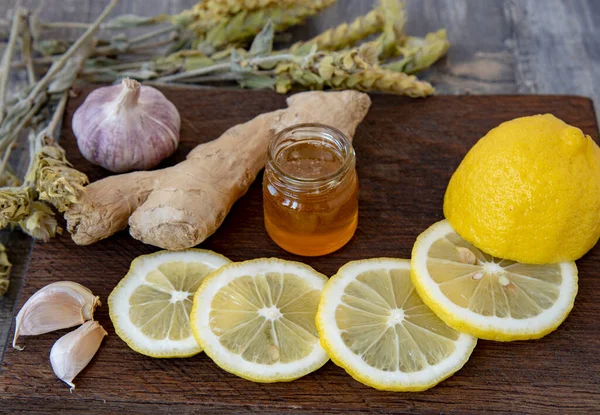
<point>126,127</point>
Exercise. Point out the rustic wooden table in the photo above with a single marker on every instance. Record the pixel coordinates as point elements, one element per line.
<point>498,47</point>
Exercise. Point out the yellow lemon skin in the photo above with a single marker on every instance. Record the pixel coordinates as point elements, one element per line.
<point>528,191</point>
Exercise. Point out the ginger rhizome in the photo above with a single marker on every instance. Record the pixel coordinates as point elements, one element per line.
<point>179,207</point>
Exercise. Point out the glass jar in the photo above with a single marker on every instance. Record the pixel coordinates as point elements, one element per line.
<point>310,190</point>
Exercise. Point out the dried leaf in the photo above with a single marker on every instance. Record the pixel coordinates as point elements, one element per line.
<point>263,42</point>
<point>236,62</point>
<point>51,47</point>
<point>130,20</point>
<point>257,81</point>
<point>194,62</point>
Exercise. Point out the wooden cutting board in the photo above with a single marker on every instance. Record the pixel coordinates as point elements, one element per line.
<point>406,151</point>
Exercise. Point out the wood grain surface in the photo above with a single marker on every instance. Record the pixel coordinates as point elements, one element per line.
<point>498,47</point>
<point>406,153</point>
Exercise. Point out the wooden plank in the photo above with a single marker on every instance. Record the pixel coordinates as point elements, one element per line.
<point>406,152</point>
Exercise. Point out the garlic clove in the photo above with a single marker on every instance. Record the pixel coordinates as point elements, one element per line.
<point>73,351</point>
<point>59,305</point>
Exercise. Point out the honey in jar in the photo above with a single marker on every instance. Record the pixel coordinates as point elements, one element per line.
<point>310,190</point>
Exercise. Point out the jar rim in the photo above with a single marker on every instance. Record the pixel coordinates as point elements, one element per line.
<point>318,130</point>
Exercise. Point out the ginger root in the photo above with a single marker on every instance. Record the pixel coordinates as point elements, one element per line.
<point>179,207</point>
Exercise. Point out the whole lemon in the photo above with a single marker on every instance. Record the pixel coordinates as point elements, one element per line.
<point>528,191</point>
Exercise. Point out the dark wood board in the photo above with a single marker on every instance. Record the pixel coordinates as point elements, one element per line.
<point>406,152</point>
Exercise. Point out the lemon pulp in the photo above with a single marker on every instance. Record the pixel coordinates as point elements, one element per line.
<point>267,318</point>
<point>150,307</point>
<point>161,306</point>
<point>489,297</point>
<point>373,323</point>
<point>384,321</point>
<point>256,319</point>
<point>491,286</point>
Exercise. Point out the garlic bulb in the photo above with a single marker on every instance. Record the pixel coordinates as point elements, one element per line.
<point>57,306</point>
<point>73,351</point>
<point>126,127</point>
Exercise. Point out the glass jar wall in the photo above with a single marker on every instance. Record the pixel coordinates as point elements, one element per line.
<point>310,190</point>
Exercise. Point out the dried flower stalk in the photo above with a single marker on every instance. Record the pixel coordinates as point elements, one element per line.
<point>246,24</point>
<point>354,69</point>
<point>209,13</point>
<point>15,204</point>
<point>421,53</point>
<point>344,35</point>
<point>40,223</point>
<point>55,179</point>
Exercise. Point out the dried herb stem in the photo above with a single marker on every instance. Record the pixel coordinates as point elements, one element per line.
<point>152,34</point>
<point>5,158</point>
<point>46,60</point>
<point>130,49</point>
<point>248,63</point>
<point>59,64</point>
<point>59,112</point>
<point>26,51</point>
<point>21,119</point>
<point>17,23</point>
<point>121,22</point>
<point>115,67</point>
<point>64,25</point>
<point>150,46</point>
<point>223,77</point>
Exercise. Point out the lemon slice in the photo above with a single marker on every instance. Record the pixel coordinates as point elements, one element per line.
<point>150,307</point>
<point>374,325</point>
<point>256,319</point>
<point>487,297</point>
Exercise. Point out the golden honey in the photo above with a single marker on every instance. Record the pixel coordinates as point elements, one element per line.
<point>310,190</point>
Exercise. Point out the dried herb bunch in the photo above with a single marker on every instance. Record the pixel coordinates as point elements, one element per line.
<point>216,41</point>
<point>207,44</point>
